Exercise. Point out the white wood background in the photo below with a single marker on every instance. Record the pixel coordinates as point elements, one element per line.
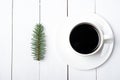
<point>17,20</point>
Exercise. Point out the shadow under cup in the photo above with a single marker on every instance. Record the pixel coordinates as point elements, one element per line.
<point>85,38</point>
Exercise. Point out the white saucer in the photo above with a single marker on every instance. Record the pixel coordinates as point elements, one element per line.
<point>73,58</point>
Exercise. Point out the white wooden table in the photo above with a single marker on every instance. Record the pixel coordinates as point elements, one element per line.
<point>17,20</point>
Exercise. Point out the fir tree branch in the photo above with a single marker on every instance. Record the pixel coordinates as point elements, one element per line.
<point>38,43</point>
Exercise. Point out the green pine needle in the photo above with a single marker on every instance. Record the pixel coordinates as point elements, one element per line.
<point>38,43</point>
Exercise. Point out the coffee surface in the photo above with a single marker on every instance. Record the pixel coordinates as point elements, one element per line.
<point>84,38</point>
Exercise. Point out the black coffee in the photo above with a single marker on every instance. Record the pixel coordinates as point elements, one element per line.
<point>84,38</point>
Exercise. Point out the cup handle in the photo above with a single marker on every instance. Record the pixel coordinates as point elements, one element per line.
<point>107,38</point>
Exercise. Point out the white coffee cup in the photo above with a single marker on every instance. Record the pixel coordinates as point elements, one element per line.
<point>96,28</point>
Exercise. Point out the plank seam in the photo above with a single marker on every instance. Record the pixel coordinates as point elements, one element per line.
<point>67,8</point>
<point>67,64</point>
<point>96,76</point>
<point>67,72</point>
<point>39,23</point>
<point>95,6</point>
<point>12,39</point>
<point>39,11</point>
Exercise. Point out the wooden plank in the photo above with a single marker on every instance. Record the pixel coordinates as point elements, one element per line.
<point>76,74</point>
<point>24,19</point>
<point>77,8</point>
<point>109,9</point>
<point>52,14</point>
<point>5,39</point>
